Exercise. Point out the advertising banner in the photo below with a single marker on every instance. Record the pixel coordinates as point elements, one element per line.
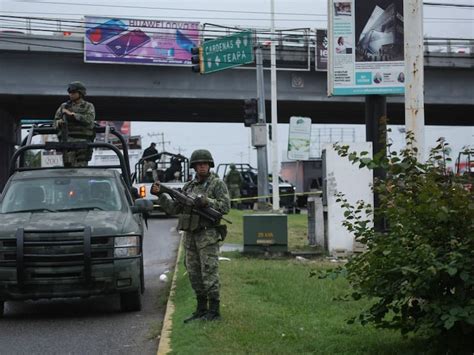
<point>134,41</point>
<point>299,138</point>
<point>366,47</point>
<point>321,50</point>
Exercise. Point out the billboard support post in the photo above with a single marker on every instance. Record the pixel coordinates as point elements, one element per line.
<point>414,72</point>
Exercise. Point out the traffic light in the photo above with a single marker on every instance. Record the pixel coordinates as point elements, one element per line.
<point>250,112</point>
<point>196,59</point>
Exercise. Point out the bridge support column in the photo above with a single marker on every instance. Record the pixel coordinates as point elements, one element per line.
<point>10,133</point>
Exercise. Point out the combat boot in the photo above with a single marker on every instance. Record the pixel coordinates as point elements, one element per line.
<point>213,313</point>
<point>201,310</point>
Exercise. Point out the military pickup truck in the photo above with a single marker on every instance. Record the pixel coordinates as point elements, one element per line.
<point>71,232</point>
<point>170,168</point>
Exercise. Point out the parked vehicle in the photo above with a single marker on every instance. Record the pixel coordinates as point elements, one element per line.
<point>249,188</point>
<point>71,232</point>
<point>172,169</point>
<point>465,167</point>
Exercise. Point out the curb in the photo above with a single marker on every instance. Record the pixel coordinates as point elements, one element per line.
<point>164,346</point>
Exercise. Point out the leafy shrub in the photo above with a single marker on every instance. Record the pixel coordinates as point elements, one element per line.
<point>420,267</point>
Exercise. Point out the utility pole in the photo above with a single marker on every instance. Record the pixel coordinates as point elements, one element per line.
<point>262,157</point>
<point>275,170</point>
<point>414,72</point>
<point>163,142</point>
<point>179,149</point>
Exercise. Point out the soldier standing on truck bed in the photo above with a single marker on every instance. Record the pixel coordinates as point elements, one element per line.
<point>233,181</point>
<point>201,237</point>
<point>75,121</point>
<point>149,164</point>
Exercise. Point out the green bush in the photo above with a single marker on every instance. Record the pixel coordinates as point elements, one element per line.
<point>419,268</point>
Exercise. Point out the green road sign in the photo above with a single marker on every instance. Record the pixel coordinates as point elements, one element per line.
<point>227,52</point>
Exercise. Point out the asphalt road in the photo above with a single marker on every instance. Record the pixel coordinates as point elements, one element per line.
<point>96,325</point>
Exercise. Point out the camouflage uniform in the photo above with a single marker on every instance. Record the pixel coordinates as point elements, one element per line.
<point>80,128</point>
<point>233,181</point>
<point>201,238</point>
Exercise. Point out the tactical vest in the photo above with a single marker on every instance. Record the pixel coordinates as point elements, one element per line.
<point>81,129</point>
<point>187,220</point>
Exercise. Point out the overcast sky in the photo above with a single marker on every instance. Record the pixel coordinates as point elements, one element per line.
<point>230,142</point>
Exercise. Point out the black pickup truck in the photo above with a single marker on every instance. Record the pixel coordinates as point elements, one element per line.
<point>249,188</point>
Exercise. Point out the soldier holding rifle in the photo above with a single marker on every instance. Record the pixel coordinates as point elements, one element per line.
<point>200,207</point>
<point>75,121</point>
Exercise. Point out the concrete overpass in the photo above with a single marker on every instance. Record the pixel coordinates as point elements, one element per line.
<point>35,71</point>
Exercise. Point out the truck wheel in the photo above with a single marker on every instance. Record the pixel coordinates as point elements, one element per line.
<point>2,308</point>
<point>131,301</point>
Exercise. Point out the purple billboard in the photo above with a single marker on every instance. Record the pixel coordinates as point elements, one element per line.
<point>135,41</point>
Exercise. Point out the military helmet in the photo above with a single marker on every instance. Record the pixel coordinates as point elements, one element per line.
<point>201,156</point>
<point>77,86</point>
<point>232,166</point>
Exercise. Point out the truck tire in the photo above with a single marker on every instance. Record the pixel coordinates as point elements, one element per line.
<point>2,308</point>
<point>131,301</point>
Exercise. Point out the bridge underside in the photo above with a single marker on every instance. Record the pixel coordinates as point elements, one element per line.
<point>205,110</point>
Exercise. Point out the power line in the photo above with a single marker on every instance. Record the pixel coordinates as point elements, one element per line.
<point>49,27</point>
<point>130,55</point>
<point>211,10</point>
<point>199,19</point>
<point>465,6</point>
<point>225,29</point>
<point>170,8</point>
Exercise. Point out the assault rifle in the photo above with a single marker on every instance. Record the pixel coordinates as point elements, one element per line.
<point>208,213</point>
<point>65,125</point>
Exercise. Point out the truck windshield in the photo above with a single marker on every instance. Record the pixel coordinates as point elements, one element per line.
<point>56,194</point>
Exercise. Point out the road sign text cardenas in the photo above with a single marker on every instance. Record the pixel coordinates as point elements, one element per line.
<point>219,47</point>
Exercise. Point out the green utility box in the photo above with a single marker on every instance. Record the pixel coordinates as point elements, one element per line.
<point>265,233</point>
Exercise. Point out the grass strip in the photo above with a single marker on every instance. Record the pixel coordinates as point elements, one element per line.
<point>273,306</point>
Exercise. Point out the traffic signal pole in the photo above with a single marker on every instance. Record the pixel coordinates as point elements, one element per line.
<point>262,157</point>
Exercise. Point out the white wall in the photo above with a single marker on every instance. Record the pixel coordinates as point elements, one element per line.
<point>355,183</point>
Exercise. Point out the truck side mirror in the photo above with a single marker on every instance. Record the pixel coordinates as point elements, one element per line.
<point>142,205</point>
<point>135,193</point>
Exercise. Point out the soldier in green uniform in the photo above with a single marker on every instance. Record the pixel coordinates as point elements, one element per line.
<point>75,121</point>
<point>201,237</point>
<point>233,181</point>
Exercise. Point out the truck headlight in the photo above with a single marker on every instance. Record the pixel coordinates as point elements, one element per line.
<point>126,246</point>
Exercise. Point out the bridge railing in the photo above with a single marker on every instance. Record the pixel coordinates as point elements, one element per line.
<point>295,47</point>
<point>449,45</point>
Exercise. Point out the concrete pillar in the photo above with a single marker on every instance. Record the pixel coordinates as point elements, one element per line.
<point>316,235</point>
<point>10,133</point>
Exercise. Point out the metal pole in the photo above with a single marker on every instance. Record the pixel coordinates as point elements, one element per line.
<point>414,72</point>
<point>262,163</point>
<point>275,170</point>
<point>376,132</point>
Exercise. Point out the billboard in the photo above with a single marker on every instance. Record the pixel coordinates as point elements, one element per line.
<point>123,127</point>
<point>135,41</point>
<point>366,47</point>
<point>299,138</point>
<point>321,50</point>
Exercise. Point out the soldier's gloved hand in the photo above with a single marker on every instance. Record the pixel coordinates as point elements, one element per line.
<point>67,112</point>
<point>201,201</point>
<point>155,188</point>
<point>59,123</point>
